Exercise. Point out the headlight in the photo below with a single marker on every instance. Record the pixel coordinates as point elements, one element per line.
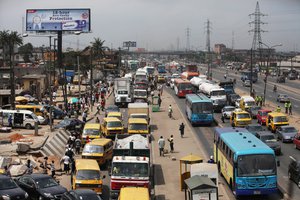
<point>49,195</point>
<point>5,197</point>
<point>26,195</point>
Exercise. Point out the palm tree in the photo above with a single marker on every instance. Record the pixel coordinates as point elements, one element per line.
<point>8,41</point>
<point>98,48</point>
<point>3,40</point>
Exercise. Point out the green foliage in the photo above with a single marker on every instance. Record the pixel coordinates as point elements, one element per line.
<point>26,51</point>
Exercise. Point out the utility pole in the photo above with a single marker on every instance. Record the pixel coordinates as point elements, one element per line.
<point>50,85</point>
<point>91,75</point>
<point>209,72</point>
<point>188,39</point>
<point>79,78</point>
<point>251,71</point>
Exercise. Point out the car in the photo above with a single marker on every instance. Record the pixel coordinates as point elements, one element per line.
<point>286,133</point>
<point>282,98</point>
<point>253,111</point>
<point>254,128</point>
<point>296,141</point>
<point>280,79</point>
<point>81,194</point>
<point>41,186</point>
<point>111,108</point>
<point>294,171</point>
<point>42,120</point>
<point>58,113</point>
<point>70,124</point>
<point>227,111</point>
<point>262,116</point>
<point>246,83</point>
<point>269,139</point>
<point>10,190</point>
<point>232,98</point>
<point>292,76</point>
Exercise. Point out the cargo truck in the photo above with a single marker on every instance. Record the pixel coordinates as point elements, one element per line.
<point>138,108</point>
<point>122,91</point>
<point>131,164</point>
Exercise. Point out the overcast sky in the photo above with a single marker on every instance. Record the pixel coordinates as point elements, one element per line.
<point>159,24</point>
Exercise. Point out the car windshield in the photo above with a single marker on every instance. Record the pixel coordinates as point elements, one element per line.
<point>289,129</point>
<point>280,119</point>
<point>140,93</point>
<point>264,113</point>
<point>122,92</point>
<point>91,132</point>
<point>256,165</point>
<point>254,128</point>
<point>7,183</point>
<point>206,108</point>
<point>112,109</point>
<point>218,93</point>
<point>130,169</point>
<point>135,126</point>
<point>114,124</point>
<point>255,108</point>
<point>268,138</point>
<point>243,116</point>
<point>92,149</point>
<point>88,175</point>
<point>250,103</point>
<point>139,116</point>
<point>46,182</point>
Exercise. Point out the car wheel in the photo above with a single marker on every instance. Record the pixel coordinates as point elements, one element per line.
<point>28,126</point>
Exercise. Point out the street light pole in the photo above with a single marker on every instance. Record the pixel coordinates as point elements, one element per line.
<point>268,64</point>
<point>251,72</point>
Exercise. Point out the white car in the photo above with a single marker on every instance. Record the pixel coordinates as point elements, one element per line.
<point>41,120</point>
<point>237,103</point>
<point>227,111</point>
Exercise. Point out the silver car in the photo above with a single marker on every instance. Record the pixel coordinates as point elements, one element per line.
<point>286,133</point>
<point>282,98</point>
<point>227,111</point>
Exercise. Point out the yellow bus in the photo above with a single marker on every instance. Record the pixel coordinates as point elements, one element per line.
<point>36,109</point>
<point>134,193</point>
<point>92,130</point>
<point>100,150</point>
<point>87,175</point>
<point>111,126</point>
<point>240,118</point>
<point>275,119</point>
<point>138,126</point>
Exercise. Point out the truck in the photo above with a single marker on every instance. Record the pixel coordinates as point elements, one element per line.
<point>228,86</point>
<point>215,93</point>
<point>131,164</point>
<point>138,108</point>
<point>122,91</point>
<point>140,95</point>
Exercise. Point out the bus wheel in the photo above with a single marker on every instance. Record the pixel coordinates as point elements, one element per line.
<point>232,125</point>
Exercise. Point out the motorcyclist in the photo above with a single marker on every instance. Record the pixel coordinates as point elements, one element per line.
<point>275,88</point>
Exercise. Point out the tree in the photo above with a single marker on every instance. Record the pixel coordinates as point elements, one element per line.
<point>3,45</point>
<point>98,48</point>
<point>26,51</point>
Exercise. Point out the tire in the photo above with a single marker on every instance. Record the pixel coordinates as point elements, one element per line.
<point>295,146</point>
<point>28,126</point>
<point>298,184</point>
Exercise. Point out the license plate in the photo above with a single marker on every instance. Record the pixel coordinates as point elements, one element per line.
<point>256,192</point>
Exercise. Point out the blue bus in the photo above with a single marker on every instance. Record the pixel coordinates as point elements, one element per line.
<point>246,75</point>
<point>199,109</point>
<point>248,165</point>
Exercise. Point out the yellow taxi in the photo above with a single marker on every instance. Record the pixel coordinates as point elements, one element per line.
<point>275,119</point>
<point>131,193</point>
<point>111,126</point>
<point>92,130</point>
<point>87,175</point>
<point>138,126</point>
<point>98,149</point>
<point>240,118</point>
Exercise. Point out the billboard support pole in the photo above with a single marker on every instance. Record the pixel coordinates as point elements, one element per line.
<point>60,65</point>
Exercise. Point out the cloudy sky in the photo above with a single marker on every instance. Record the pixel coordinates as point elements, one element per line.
<point>162,24</point>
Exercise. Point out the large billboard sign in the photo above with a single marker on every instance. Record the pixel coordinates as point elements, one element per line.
<point>58,20</point>
<point>129,44</point>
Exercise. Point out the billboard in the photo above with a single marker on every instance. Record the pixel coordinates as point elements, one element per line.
<point>129,44</point>
<point>58,20</point>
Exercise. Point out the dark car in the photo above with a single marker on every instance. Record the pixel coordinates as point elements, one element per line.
<point>58,113</point>
<point>253,111</point>
<point>292,76</point>
<point>70,124</point>
<point>280,79</point>
<point>270,140</point>
<point>254,128</point>
<point>232,98</point>
<point>286,133</point>
<point>80,194</point>
<point>41,186</point>
<point>111,108</point>
<point>294,171</point>
<point>10,190</point>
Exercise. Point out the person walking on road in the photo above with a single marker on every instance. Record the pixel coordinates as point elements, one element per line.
<point>286,104</point>
<point>84,116</point>
<point>52,168</point>
<point>181,129</point>
<point>170,111</point>
<point>66,160</point>
<point>161,145</point>
<point>159,101</point>
<point>290,108</point>
<point>171,141</point>
<point>77,145</point>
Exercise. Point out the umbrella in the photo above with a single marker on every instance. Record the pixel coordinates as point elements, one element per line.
<point>20,98</point>
<point>73,100</point>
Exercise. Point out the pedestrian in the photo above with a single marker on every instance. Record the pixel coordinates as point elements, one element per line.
<point>70,152</point>
<point>98,109</point>
<point>286,106</point>
<point>181,129</point>
<point>52,168</point>
<point>6,171</point>
<point>10,121</point>
<point>171,141</point>
<point>161,145</point>
<point>211,160</point>
<point>73,166</point>
<point>290,108</point>
<point>66,160</point>
<point>45,165</point>
<point>84,115</point>
<point>88,140</point>
<point>257,100</point>
<point>261,101</point>
<point>159,101</point>
<point>223,118</point>
<point>278,109</point>
<point>77,145</point>
<point>102,104</point>
<point>29,167</point>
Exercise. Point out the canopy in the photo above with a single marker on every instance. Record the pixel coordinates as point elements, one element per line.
<point>73,100</point>
<point>190,159</point>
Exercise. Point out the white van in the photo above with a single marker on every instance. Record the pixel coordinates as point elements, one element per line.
<point>20,118</point>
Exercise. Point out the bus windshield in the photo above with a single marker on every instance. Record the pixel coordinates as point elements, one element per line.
<point>205,107</point>
<point>114,124</point>
<point>280,119</point>
<point>130,169</point>
<point>135,126</point>
<point>92,149</point>
<point>256,165</point>
<point>185,86</point>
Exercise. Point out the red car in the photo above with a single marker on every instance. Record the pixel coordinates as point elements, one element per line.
<point>296,141</point>
<point>262,116</point>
